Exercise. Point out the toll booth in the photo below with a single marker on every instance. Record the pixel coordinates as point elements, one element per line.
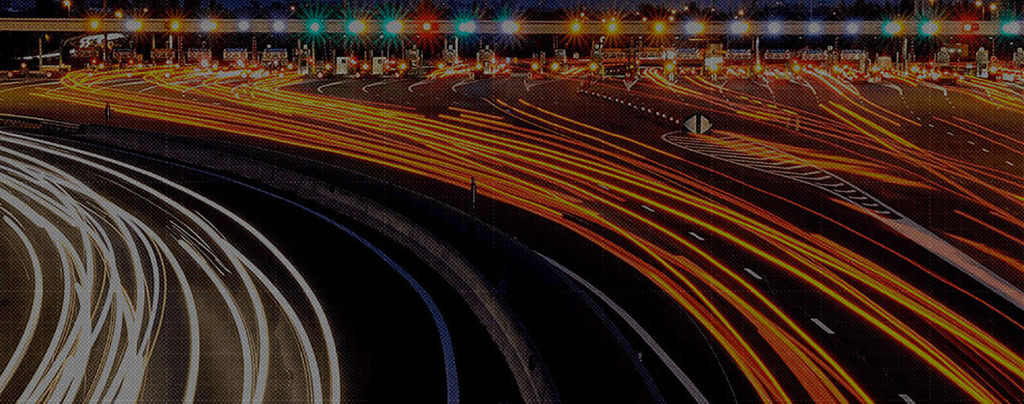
<point>738,62</point>
<point>652,56</point>
<point>451,55</point>
<point>87,54</point>
<point>561,57</point>
<point>162,55</point>
<point>852,65</point>
<point>777,63</point>
<point>812,59</point>
<point>612,61</point>
<point>378,63</point>
<point>414,59</point>
<point>342,65</point>
<point>236,57</point>
<point>856,59</point>
<point>123,55</point>
<point>199,56</point>
<point>274,58</point>
<point>942,58</point>
<point>981,63</point>
<point>689,61</point>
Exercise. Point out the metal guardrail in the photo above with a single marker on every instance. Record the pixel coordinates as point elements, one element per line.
<point>31,122</point>
<point>679,27</point>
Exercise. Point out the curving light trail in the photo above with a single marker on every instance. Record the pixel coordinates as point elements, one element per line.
<point>631,199</point>
<point>145,298</point>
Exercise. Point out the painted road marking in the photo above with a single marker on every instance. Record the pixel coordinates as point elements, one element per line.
<point>373,85</point>
<point>321,88</point>
<point>752,273</point>
<point>823,326</point>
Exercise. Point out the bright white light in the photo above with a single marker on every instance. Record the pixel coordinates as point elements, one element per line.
<point>243,25</point>
<point>694,27</point>
<point>739,27</point>
<point>930,28</point>
<point>356,26</point>
<point>814,28</point>
<point>207,25</point>
<point>509,27</point>
<point>774,28</point>
<point>393,27</point>
<point>467,27</point>
<point>1012,28</point>
<point>852,28</point>
<point>278,26</point>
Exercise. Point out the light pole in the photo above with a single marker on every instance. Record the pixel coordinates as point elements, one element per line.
<point>67,6</point>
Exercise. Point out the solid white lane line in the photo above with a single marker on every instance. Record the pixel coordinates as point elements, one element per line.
<point>321,88</point>
<point>648,339</point>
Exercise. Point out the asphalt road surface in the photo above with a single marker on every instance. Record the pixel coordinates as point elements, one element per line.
<point>825,241</point>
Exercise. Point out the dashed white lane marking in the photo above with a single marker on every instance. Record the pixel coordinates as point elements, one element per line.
<point>984,150</point>
<point>696,236</point>
<point>752,273</point>
<point>648,208</point>
<point>950,133</point>
<point>1009,164</point>
<point>823,326</point>
<point>907,399</point>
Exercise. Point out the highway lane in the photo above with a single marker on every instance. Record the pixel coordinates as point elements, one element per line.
<point>123,293</point>
<point>190,301</point>
<point>664,224</point>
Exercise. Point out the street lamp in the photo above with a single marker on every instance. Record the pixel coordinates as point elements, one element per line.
<point>466,27</point>
<point>694,27</point>
<point>67,6</point>
<point>393,27</point>
<point>893,28</point>
<point>509,27</point>
<point>659,27</point>
<point>207,25</point>
<point>929,28</point>
<point>739,27</point>
<point>356,27</point>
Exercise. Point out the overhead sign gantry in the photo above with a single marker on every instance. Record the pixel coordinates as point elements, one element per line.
<point>513,27</point>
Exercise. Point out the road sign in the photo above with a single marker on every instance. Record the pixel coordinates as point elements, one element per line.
<point>697,124</point>
<point>630,83</point>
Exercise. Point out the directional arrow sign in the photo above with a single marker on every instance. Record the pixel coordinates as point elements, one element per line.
<point>698,124</point>
<point>630,83</point>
